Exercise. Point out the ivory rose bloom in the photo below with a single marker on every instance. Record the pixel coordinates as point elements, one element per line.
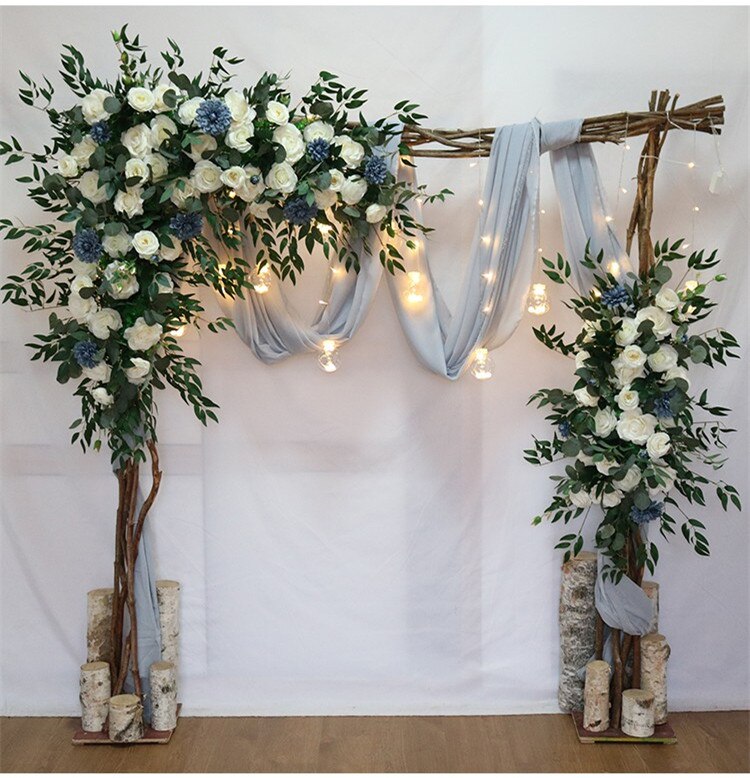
<point>677,372</point>
<point>337,180</point>
<point>350,151</point>
<point>139,371</point>
<point>162,128</point>
<point>233,177</point>
<point>277,112</point>
<point>158,165</point>
<point>318,130</point>
<point>129,202</point>
<point>81,308</point>
<point>667,299</point>
<point>662,360</point>
<point>93,106</point>
<point>663,325</point>
<point>142,336</point>
<point>159,91</point>
<point>375,213</point>
<point>187,110</point>
<point>585,398</point>
<point>138,140</point>
<point>630,480</point>
<point>145,243</point>
<point>121,280</point>
<point>627,399</point>
<point>259,210</point>
<point>239,107</point>
<point>281,176</point>
<point>141,99</point>
<point>170,253</point>
<point>627,333</point>
<point>101,323</point>
<point>253,185</point>
<point>605,466</point>
<point>632,356</point>
<point>102,397</point>
<point>117,245</point>
<point>67,166</point>
<point>581,358</point>
<point>353,190</point>
<point>180,195</point>
<point>658,445</point>
<point>206,176</point>
<point>136,168</point>
<point>82,152</point>
<point>238,136</point>
<point>99,374</point>
<point>80,282</point>
<point>90,269</point>
<point>203,144</point>
<point>88,185</point>
<point>290,139</point>
<point>580,499</point>
<point>636,427</point>
<point>604,422</point>
<point>610,499</point>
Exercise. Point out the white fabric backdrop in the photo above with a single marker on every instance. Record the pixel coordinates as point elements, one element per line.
<point>361,542</point>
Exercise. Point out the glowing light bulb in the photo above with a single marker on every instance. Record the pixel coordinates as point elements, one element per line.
<point>486,239</point>
<point>623,190</point>
<point>685,246</point>
<point>542,211</point>
<point>596,292</point>
<point>537,302</point>
<point>473,164</point>
<point>328,361</point>
<point>540,250</point>
<point>691,285</point>
<point>260,279</point>
<point>413,293</point>
<point>614,268</point>
<point>487,308</point>
<point>696,208</point>
<point>232,194</point>
<point>482,366</point>
<point>691,165</point>
<point>489,276</point>
<point>608,219</point>
<point>179,332</point>
<point>627,147</point>
<point>480,203</point>
<point>324,229</point>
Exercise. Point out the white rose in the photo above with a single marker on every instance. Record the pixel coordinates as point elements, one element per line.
<point>626,375</point>
<point>159,105</point>
<point>142,336</point>
<point>337,180</point>
<point>138,373</point>
<point>605,466</point>
<point>81,282</point>
<point>318,131</point>
<point>663,325</point>
<point>658,445</point>
<point>590,328</point>
<point>677,372</point>
<point>662,360</point>
<point>627,332</point>
<point>138,140</point>
<point>136,168</point>
<point>67,166</point>
<point>162,128</point>
<point>604,422</point>
<point>158,164</point>
<point>180,196</point>
<point>610,499</point>
<point>636,427</point>
<point>253,185</point>
<point>281,176</point>
<point>121,280</point>
<point>259,210</point>
<point>206,176</point>
<point>350,151</point>
<point>238,136</point>
<point>102,396</point>
<point>290,138</point>
<point>165,284</point>
<point>187,110</point>
<point>141,99</point>
<point>233,177</point>
<point>581,358</point>
<point>80,268</point>
<point>203,144</point>
<point>82,152</point>
<point>117,245</point>
<point>145,243</point>
<point>239,107</point>
<point>632,356</point>
<point>627,399</point>
<point>93,106</point>
<point>375,213</point>
<point>88,186</point>
<point>580,499</point>
<point>585,458</point>
<point>103,322</point>
<point>99,374</point>
<point>667,299</point>
<point>81,308</point>
<point>353,190</point>
<point>129,202</point>
<point>585,398</point>
<point>630,480</point>
<point>170,253</point>
<point>326,198</point>
<point>277,112</point>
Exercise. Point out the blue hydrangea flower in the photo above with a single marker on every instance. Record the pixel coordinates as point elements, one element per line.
<point>87,245</point>
<point>85,352</point>
<point>662,409</point>
<point>643,516</point>
<point>563,429</point>
<point>318,150</point>
<point>376,170</point>
<point>213,117</point>
<point>185,226</point>
<point>299,211</point>
<point>615,296</point>
<point>100,132</point>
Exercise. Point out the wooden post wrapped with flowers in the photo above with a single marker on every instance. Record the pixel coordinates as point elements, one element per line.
<point>138,176</point>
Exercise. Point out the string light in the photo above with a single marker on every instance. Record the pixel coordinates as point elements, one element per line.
<point>482,366</point>
<point>324,229</point>
<point>480,202</point>
<point>260,280</point>
<point>609,219</point>
<point>696,208</point>
<point>691,165</point>
<point>414,294</point>
<point>179,332</point>
<point>486,239</point>
<point>537,302</point>
<point>614,268</point>
<point>232,194</point>
<point>489,276</point>
<point>691,285</point>
<point>328,361</point>
<point>542,211</point>
<point>487,308</point>
<point>623,190</point>
<point>596,292</point>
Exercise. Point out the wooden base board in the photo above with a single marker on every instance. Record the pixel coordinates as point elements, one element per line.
<point>663,733</point>
<point>81,738</point>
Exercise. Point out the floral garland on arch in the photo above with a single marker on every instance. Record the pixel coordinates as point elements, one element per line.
<point>628,428</point>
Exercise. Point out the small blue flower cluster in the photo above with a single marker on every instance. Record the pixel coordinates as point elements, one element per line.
<point>662,408</point>
<point>563,429</point>
<point>87,245</point>
<point>100,132</point>
<point>376,170</point>
<point>185,226</point>
<point>644,515</point>
<point>85,352</point>
<point>615,296</point>
<point>318,150</point>
<point>213,117</point>
<point>299,211</point>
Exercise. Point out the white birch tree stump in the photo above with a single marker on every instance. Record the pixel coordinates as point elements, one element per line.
<point>637,713</point>
<point>654,655</point>
<point>168,598</point>
<point>125,718</point>
<point>99,625</point>
<point>577,627</point>
<point>651,588</point>
<point>163,696</point>
<point>95,692</point>
<point>596,696</point>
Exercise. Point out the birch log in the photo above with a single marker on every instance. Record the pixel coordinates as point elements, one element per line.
<point>637,713</point>
<point>654,654</point>
<point>651,588</point>
<point>596,696</point>
<point>125,718</point>
<point>168,597</point>
<point>99,625</point>
<point>577,627</point>
<point>95,691</point>
<point>163,696</point>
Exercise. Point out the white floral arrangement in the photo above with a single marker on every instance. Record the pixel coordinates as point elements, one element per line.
<point>628,428</point>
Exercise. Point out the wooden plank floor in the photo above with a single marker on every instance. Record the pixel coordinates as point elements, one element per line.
<point>708,742</point>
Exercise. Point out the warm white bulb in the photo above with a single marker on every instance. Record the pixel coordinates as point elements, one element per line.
<point>614,268</point>
<point>473,164</point>
<point>542,211</point>
<point>232,194</point>
<point>480,203</point>
<point>691,165</point>
<point>486,239</point>
<point>537,302</point>
<point>260,279</point>
<point>627,147</point>
<point>691,285</point>
<point>608,219</point>
<point>623,190</point>
<point>596,292</point>
<point>696,208</point>
<point>489,276</point>
<point>324,229</point>
<point>179,332</point>
<point>329,346</point>
<point>482,365</point>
